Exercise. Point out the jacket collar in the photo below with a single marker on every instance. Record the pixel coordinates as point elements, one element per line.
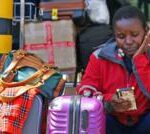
<point>109,51</point>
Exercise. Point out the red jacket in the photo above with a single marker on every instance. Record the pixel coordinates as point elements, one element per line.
<point>106,72</point>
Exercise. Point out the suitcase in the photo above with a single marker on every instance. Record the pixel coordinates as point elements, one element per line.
<point>33,123</point>
<point>76,115</point>
<point>61,9</point>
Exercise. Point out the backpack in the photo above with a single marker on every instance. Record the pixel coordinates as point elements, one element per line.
<point>88,40</point>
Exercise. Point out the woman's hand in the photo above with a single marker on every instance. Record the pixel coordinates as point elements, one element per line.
<point>120,104</point>
<point>145,45</point>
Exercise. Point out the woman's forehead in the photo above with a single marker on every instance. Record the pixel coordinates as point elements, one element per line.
<point>130,23</point>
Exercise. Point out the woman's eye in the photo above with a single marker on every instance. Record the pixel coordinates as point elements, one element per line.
<point>134,34</point>
<point>121,36</point>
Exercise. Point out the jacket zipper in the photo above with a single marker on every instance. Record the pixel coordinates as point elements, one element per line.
<point>129,76</point>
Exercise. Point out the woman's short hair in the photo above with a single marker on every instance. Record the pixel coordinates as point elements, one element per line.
<point>128,12</point>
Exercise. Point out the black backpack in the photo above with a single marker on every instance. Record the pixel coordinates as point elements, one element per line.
<point>89,40</point>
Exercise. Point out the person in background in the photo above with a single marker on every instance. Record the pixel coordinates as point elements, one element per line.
<point>145,5</point>
<point>114,5</point>
<point>113,73</point>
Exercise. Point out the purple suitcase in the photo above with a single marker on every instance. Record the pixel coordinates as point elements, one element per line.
<point>76,115</point>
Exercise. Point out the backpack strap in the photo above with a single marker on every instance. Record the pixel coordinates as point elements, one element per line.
<point>140,83</point>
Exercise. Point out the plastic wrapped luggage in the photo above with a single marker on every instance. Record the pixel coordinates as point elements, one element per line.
<point>76,115</point>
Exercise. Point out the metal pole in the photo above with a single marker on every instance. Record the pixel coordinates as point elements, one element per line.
<point>22,17</point>
<point>6,15</point>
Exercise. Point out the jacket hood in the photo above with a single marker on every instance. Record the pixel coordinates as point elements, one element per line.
<point>109,51</point>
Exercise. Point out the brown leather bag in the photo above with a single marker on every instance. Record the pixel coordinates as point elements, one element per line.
<point>2,61</point>
<point>21,59</point>
<point>35,81</point>
<point>43,72</point>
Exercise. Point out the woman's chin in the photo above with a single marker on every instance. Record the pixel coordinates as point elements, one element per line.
<point>129,55</point>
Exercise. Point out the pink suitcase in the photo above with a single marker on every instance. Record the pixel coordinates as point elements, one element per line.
<point>76,115</point>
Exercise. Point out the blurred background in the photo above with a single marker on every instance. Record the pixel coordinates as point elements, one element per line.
<point>144,5</point>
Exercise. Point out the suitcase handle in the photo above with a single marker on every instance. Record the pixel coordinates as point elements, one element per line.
<point>84,121</point>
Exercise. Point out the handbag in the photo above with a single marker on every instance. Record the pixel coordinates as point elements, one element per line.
<point>20,65</point>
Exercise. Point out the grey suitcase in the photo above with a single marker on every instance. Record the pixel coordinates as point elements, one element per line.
<point>33,123</point>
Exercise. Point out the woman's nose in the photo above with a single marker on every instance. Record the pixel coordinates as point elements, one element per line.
<point>129,40</point>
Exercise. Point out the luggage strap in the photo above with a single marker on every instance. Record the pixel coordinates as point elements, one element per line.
<point>2,61</point>
<point>21,59</point>
<point>24,88</point>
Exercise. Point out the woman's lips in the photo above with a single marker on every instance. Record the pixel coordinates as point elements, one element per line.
<point>130,50</point>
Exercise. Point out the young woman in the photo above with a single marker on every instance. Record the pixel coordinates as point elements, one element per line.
<point>118,69</point>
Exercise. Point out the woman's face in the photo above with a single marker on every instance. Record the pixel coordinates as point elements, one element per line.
<point>129,34</point>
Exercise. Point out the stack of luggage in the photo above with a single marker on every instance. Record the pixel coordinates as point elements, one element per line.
<point>32,89</point>
<point>27,85</point>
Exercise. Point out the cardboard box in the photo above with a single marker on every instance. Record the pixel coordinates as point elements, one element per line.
<point>53,41</point>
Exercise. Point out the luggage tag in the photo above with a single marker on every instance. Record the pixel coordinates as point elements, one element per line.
<point>54,14</point>
<point>128,94</point>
